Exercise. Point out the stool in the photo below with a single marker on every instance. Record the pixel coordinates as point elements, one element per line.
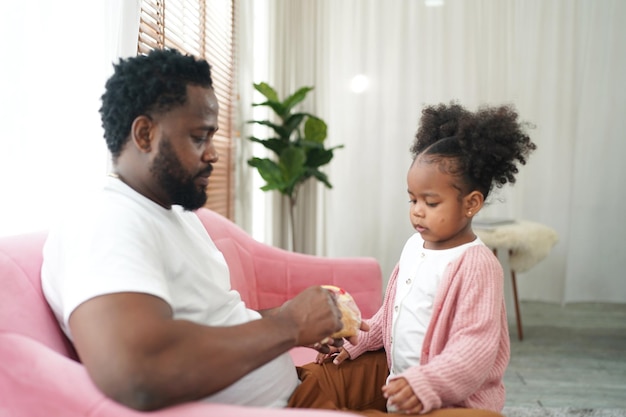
<point>525,243</point>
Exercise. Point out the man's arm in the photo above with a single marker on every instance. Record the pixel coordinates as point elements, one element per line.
<point>268,311</point>
<point>138,355</point>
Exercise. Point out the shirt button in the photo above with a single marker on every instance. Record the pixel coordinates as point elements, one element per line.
<point>422,254</point>
<point>408,281</point>
<point>396,308</point>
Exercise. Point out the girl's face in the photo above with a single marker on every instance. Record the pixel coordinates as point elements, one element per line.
<point>439,211</point>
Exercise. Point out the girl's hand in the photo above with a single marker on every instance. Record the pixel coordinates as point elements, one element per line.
<point>336,348</point>
<point>339,352</point>
<point>354,340</point>
<point>326,346</point>
<point>401,398</point>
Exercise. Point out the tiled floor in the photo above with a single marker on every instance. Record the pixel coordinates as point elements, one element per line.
<point>571,356</point>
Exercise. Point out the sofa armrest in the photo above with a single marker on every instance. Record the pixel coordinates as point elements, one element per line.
<point>36,381</point>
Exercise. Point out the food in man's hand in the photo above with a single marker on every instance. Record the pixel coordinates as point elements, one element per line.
<point>350,313</point>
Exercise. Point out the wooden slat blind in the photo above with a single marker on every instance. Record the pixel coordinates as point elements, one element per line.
<point>203,28</point>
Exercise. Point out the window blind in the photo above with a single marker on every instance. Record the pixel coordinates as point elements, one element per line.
<point>203,28</point>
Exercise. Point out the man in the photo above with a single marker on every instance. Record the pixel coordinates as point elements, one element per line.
<point>133,277</point>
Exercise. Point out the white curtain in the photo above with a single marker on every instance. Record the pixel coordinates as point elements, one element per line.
<point>245,58</point>
<point>560,62</point>
<point>595,246</point>
<point>269,31</point>
<point>56,58</point>
<point>295,58</point>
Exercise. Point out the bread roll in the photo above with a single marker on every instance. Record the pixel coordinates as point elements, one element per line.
<point>350,313</point>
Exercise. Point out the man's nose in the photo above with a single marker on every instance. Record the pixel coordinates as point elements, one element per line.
<point>210,154</point>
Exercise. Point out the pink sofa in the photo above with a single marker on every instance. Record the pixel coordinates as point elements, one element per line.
<point>39,371</point>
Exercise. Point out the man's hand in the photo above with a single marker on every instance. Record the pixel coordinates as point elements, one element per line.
<point>314,314</point>
<point>401,398</point>
<point>340,354</point>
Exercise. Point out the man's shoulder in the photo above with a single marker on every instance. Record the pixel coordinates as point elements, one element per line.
<point>104,216</point>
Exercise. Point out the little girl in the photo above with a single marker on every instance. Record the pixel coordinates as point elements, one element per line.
<point>443,324</point>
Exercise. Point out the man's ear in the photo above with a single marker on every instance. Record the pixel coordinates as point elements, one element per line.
<point>141,133</point>
<point>473,203</point>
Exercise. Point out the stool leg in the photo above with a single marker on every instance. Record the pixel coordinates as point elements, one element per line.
<point>518,316</point>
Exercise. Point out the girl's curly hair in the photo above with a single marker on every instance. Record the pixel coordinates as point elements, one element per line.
<point>481,148</point>
<point>147,84</point>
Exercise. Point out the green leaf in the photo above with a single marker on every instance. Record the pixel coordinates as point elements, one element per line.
<point>277,106</point>
<point>269,171</point>
<point>267,91</point>
<point>280,130</point>
<point>291,101</point>
<point>315,129</point>
<point>273,144</point>
<point>292,161</point>
<point>317,157</point>
<point>265,123</point>
<point>293,122</point>
<point>322,177</point>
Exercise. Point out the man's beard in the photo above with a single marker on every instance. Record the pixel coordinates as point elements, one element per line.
<point>175,180</point>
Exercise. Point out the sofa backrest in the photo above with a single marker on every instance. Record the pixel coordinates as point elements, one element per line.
<point>267,276</point>
<point>23,308</point>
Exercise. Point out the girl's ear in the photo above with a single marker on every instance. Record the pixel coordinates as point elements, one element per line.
<point>473,202</point>
<point>141,131</point>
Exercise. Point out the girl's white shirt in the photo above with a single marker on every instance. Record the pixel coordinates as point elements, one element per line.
<point>420,271</point>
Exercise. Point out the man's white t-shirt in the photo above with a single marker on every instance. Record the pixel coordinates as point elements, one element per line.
<point>124,242</point>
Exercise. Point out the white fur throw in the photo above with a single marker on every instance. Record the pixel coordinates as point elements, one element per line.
<point>529,242</point>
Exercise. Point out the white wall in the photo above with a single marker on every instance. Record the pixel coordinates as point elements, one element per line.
<point>51,78</point>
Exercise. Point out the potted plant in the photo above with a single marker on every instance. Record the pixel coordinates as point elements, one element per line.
<point>298,152</point>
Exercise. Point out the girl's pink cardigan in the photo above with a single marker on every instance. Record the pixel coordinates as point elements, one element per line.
<point>466,346</point>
